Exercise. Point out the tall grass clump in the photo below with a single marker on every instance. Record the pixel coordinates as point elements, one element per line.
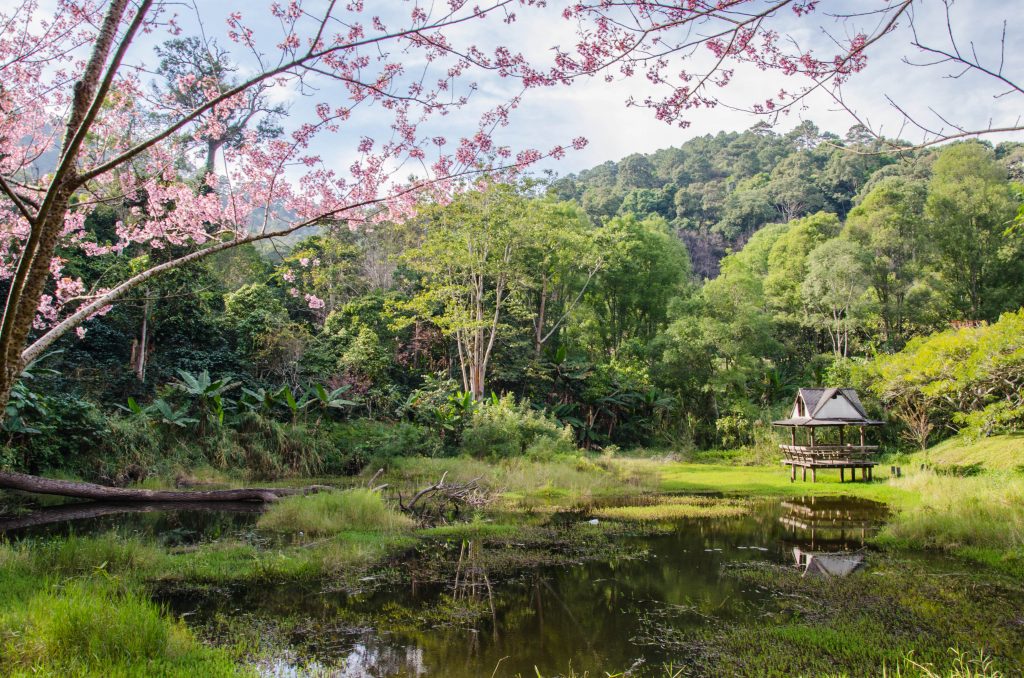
<point>95,628</point>
<point>333,512</point>
<point>953,512</point>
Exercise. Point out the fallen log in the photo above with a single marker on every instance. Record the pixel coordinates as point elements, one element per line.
<point>80,490</point>
<point>88,510</point>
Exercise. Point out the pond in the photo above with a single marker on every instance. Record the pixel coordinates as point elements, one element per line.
<point>478,615</point>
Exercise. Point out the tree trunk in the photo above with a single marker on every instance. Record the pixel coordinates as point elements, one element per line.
<point>79,490</point>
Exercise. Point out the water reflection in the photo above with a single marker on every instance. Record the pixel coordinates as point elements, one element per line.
<point>168,523</point>
<point>477,620</point>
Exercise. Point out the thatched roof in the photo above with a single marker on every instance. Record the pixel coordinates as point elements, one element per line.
<point>827,407</point>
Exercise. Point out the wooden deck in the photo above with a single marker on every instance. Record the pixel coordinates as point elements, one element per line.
<point>840,457</point>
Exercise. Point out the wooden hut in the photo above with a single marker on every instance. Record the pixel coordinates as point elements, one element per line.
<point>831,408</point>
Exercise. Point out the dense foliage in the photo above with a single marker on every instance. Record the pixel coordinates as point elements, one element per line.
<point>672,299</point>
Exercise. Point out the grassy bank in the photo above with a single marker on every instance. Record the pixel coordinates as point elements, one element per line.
<point>958,623</point>
<point>77,608</point>
<point>979,517</point>
<point>103,583</point>
<point>997,453</point>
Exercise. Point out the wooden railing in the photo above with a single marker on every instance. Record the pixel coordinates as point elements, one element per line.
<point>828,453</point>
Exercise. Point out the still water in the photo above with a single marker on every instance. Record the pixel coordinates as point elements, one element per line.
<point>608,614</point>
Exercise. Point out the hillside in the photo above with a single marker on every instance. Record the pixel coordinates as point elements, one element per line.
<point>717,190</point>
<point>996,453</point>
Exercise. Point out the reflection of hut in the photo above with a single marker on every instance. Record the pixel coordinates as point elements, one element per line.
<point>834,408</point>
<point>827,564</point>
<point>830,523</point>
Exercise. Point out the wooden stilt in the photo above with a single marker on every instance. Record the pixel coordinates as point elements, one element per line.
<point>814,475</point>
<point>842,471</point>
<point>805,474</point>
<point>792,473</point>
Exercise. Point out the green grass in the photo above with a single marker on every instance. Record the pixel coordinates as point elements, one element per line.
<point>997,453</point>
<point>525,484</point>
<point>979,517</point>
<point>673,508</point>
<point>333,512</point>
<point>770,481</point>
<point>76,607</point>
<point>870,623</point>
<point>236,562</point>
<point>100,628</point>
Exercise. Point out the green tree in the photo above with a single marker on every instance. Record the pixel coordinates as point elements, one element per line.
<point>252,312</point>
<point>787,264</point>
<point>471,267</point>
<point>970,207</point>
<point>793,187</point>
<point>747,208</point>
<point>645,268</point>
<point>834,289</point>
<point>560,259</point>
<point>890,225</point>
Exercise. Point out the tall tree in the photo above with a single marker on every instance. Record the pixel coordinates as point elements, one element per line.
<point>192,70</point>
<point>970,207</point>
<point>471,264</point>
<point>645,267</point>
<point>834,289</point>
<point>561,261</point>
<point>890,224</point>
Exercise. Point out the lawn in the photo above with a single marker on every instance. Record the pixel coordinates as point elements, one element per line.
<point>771,481</point>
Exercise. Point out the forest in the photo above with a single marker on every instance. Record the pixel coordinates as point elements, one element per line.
<point>675,300</point>
<point>321,356</point>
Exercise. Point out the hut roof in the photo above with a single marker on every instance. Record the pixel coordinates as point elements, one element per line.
<point>827,407</point>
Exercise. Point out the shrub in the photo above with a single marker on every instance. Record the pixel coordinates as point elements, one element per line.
<point>332,512</point>
<point>356,444</point>
<point>503,428</point>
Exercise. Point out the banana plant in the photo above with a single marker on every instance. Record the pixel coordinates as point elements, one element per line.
<point>133,407</point>
<point>285,396</point>
<point>208,395</point>
<point>170,416</point>
<point>320,397</point>
<point>258,400</point>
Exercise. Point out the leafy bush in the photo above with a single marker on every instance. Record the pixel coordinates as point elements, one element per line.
<point>366,441</point>
<point>51,430</point>
<point>995,419</point>
<point>502,428</point>
<point>736,428</point>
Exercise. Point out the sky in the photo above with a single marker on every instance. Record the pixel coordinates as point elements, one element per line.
<point>597,110</point>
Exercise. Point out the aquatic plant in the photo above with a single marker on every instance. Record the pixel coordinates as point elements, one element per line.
<point>671,508</point>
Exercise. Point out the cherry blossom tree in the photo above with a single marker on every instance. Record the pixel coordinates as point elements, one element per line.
<point>74,83</point>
